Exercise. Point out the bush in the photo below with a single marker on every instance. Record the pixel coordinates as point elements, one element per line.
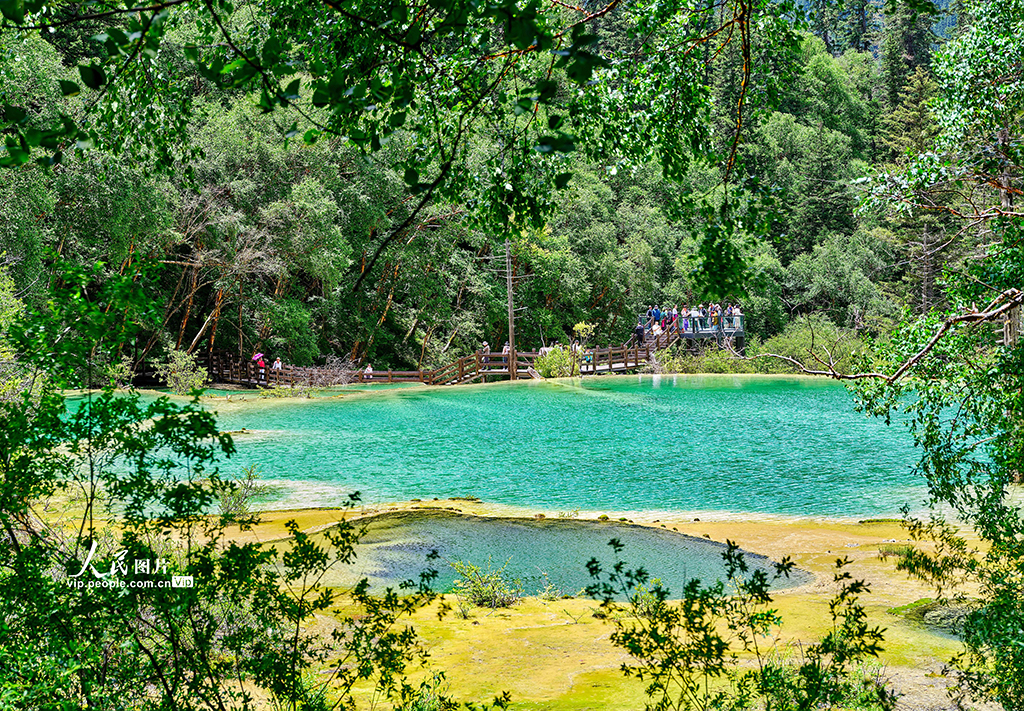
<point>182,372</point>
<point>236,497</point>
<point>688,651</point>
<point>432,695</point>
<point>710,359</point>
<point>119,374</point>
<point>557,363</point>
<point>806,339</point>
<point>486,588</point>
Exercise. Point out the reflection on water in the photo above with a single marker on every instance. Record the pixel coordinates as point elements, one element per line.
<point>769,445</point>
<point>537,553</point>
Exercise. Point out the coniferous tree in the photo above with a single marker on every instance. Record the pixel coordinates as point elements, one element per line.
<point>907,42</point>
<point>859,26</point>
<point>910,127</point>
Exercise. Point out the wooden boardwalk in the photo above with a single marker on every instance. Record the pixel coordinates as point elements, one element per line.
<point>227,368</point>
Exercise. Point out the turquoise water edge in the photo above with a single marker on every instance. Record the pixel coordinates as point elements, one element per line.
<point>725,445</point>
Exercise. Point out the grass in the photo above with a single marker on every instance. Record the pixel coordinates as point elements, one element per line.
<point>893,550</point>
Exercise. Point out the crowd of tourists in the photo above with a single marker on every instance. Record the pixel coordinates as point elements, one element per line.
<point>689,319</point>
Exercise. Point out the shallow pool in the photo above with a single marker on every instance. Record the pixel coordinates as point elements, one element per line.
<point>541,557</point>
<point>722,444</point>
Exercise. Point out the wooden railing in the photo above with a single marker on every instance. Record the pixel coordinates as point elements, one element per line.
<point>227,368</point>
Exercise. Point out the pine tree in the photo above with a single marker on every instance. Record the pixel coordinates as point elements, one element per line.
<point>907,42</point>
<point>910,127</point>
<point>859,25</point>
<point>825,24</point>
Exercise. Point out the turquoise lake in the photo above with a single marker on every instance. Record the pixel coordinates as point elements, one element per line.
<point>726,445</point>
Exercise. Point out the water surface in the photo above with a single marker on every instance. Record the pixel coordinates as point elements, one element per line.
<point>725,444</point>
<point>540,557</point>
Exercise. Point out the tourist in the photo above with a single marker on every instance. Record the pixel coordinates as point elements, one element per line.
<point>368,373</point>
<point>656,315</point>
<point>261,364</point>
<point>276,365</point>
<point>639,333</point>
<point>505,350</point>
<point>737,317</point>
<point>485,348</point>
<point>656,329</point>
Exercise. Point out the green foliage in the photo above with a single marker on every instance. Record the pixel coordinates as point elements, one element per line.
<point>557,363</point>
<point>430,696</point>
<point>236,497</point>
<point>910,128</point>
<point>182,372</point>
<point>815,342</point>
<point>11,308</point>
<point>839,279</point>
<point>948,361</point>
<point>686,650</point>
<point>486,588</point>
<point>83,625</point>
<point>119,374</point>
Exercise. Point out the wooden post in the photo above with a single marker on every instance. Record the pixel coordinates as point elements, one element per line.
<point>511,314</point>
<point>1011,327</point>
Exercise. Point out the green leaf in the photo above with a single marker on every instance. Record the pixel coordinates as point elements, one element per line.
<point>555,144</point>
<point>14,114</point>
<point>412,176</point>
<point>92,75</point>
<point>562,180</point>
<point>13,10</point>
<point>69,88</point>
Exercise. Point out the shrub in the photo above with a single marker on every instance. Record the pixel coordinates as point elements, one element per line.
<point>557,363</point>
<point>486,588</point>
<point>688,651</point>
<point>182,372</point>
<point>237,496</point>
<point>119,374</point>
<point>807,339</point>
<point>431,695</point>
<point>709,359</point>
<point>647,599</point>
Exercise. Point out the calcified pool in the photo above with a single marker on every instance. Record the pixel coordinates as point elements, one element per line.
<point>723,445</point>
<point>546,556</point>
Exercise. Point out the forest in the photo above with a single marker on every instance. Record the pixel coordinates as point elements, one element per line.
<point>260,238</point>
<point>340,181</point>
